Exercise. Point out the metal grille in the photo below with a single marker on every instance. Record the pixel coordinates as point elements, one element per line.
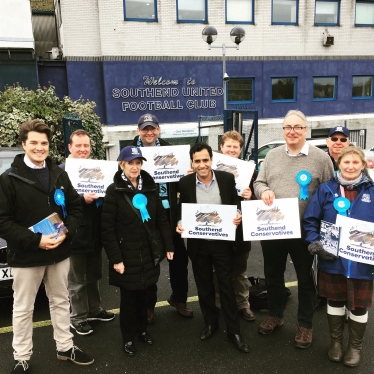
<point>358,137</point>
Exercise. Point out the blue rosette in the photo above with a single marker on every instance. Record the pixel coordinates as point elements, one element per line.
<point>60,200</point>
<point>139,201</point>
<point>303,178</point>
<point>342,204</point>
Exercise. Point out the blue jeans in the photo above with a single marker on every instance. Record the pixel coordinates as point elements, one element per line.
<point>275,254</point>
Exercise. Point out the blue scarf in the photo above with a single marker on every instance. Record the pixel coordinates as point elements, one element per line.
<point>162,187</point>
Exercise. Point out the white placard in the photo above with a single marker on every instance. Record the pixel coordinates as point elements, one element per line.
<point>242,170</point>
<point>280,220</point>
<point>356,241</point>
<point>167,164</point>
<point>208,221</point>
<point>91,176</point>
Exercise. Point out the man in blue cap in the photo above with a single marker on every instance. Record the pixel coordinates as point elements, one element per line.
<point>337,140</point>
<point>149,132</point>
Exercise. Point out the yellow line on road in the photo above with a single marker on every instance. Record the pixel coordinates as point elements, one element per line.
<point>4,330</point>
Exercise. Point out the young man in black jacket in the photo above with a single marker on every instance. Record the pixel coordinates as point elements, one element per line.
<point>86,257</point>
<point>32,189</point>
<point>149,131</point>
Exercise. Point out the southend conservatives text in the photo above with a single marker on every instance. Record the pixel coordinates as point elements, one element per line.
<point>204,231</point>
<point>271,230</point>
<point>90,188</point>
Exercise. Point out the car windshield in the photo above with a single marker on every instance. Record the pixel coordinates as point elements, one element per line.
<point>5,163</point>
<point>263,151</point>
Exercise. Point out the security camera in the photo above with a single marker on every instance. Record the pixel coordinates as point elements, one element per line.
<point>226,77</point>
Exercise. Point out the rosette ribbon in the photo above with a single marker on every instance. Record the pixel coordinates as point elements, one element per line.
<point>139,201</point>
<point>60,200</point>
<point>303,178</point>
<point>342,204</point>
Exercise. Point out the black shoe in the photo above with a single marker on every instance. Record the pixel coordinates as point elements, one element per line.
<point>129,349</point>
<point>76,355</point>
<point>103,316</point>
<point>146,338</point>
<point>20,366</point>
<point>238,342</point>
<point>82,328</point>
<point>208,332</point>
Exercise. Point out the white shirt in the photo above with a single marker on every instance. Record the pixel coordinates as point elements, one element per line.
<point>31,165</point>
<point>303,151</point>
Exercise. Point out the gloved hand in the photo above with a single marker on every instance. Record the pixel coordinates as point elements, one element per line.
<point>317,249</point>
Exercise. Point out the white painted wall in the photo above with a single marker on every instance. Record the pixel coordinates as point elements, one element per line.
<point>97,28</point>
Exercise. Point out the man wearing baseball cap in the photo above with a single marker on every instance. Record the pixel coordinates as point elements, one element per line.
<point>337,140</point>
<point>149,132</point>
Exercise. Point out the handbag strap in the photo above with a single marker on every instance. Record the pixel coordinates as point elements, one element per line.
<point>137,213</point>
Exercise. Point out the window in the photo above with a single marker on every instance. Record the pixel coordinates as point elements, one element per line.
<point>362,87</point>
<point>140,10</point>
<point>240,91</point>
<point>192,11</point>
<point>283,89</point>
<point>239,11</point>
<point>324,88</point>
<point>327,12</point>
<point>285,12</point>
<point>364,13</point>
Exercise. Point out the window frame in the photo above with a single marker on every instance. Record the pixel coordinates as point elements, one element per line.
<point>363,24</point>
<point>241,22</point>
<point>371,97</point>
<point>296,23</point>
<point>193,21</point>
<point>141,19</point>
<point>243,102</point>
<point>294,100</point>
<point>335,88</point>
<point>337,23</point>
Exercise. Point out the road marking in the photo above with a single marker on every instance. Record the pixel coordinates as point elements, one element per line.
<point>4,330</point>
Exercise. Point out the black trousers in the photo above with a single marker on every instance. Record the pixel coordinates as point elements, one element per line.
<point>219,254</point>
<point>133,313</point>
<point>178,270</point>
<point>275,259</point>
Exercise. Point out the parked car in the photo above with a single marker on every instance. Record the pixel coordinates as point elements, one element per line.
<point>6,158</point>
<point>369,154</point>
<point>263,150</point>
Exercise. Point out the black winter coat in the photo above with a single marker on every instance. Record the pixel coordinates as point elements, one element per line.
<point>88,238</point>
<point>125,238</point>
<point>172,192</point>
<point>24,202</point>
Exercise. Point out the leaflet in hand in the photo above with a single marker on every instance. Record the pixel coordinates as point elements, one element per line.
<point>329,237</point>
<point>50,225</point>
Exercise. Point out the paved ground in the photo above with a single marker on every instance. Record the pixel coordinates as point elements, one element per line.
<point>178,348</point>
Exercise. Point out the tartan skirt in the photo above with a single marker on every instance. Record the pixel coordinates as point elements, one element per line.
<point>356,293</point>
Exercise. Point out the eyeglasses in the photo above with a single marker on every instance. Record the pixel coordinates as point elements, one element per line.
<point>343,140</point>
<point>296,128</point>
<point>153,129</point>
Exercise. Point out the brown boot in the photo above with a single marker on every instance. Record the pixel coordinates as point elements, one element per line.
<point>336,325</point>
<point>151,316</point>
<point>352,357</point>
<point>181,308</point>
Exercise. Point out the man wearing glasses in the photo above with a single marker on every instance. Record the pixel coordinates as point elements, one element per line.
<point>337,140</point>
<point>149,132</point>
<point>278,179</point>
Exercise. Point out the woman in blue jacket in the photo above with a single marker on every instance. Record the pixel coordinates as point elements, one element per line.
<point>343,282</point>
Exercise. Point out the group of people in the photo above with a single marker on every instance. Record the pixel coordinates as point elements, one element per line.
<point>136,210</point>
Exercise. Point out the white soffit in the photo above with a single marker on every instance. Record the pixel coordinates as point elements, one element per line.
<point>15,24</point>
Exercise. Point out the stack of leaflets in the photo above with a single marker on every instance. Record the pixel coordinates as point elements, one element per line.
<point>329,237</point>
<point>50,225</point>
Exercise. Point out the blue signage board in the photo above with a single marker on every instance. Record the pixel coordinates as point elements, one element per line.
<point>173,91</point>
